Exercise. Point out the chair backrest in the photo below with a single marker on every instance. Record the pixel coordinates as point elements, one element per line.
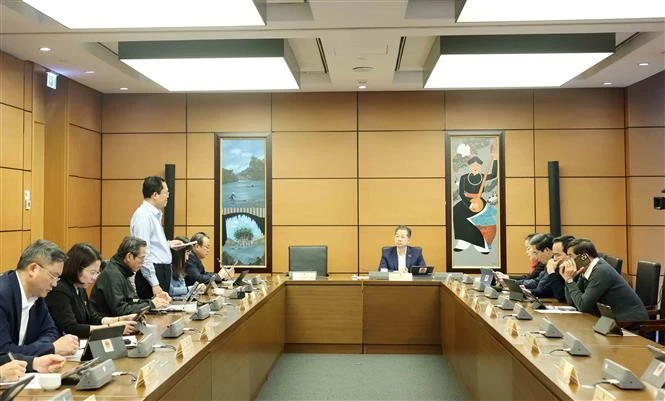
<point>646,282</point>
<point>616,263</point>
<point>309,258</point>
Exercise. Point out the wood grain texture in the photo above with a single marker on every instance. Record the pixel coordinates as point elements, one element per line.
<point>200,156</point>
<point>315,202</point>
<point>645,102</point>
<point>324,314</point>
<point>228,112</point>
<point>11,80</point>
<point>314,155</point>
<point>334,111</point>
<point>117,150</point>
<point>489,109</point>
<point>520,201</point>
<point>379,111</point>
<point>518,153</point>
<point>644,151</point>
<point>132,113</point>
<point>84,205</point>
<point>11,137</point>
<point>85,151</point>
<point>641,191</point>
<point>85,107</point>
<point>578,108</point>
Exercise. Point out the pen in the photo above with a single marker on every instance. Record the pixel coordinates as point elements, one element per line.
<point>11,357</point>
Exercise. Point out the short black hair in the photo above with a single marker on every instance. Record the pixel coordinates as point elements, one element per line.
<point>42,252</point>
<point>198,237</point>
<point>565,241</point>
<point>583,245</point>
<point>151,185</point>
<point>79,257</point>
<point>474,159</point>
<point>541,241</point>
<point>405,228</point>
<point>529,236</point>
<point>131,245</point>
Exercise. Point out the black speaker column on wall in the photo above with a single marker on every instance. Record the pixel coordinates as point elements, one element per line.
<point>555,199</point>
<point>169,211</point>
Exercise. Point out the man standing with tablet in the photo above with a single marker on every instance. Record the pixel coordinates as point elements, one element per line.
<point>155,274</point>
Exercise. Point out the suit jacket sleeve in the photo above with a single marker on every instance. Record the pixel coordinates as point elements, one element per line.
<point>383,264</point>
<point>596,287</point>
<point>193,273</point>
<point>60,306</point>
<point>41,326</point>
<point>419,260</point>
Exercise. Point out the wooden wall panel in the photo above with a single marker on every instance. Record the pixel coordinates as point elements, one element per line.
<point>84,202</point>
<point>516,259</point>
<point>485,109</point>
<point>342,251</point>
<point>39,94</point>
<point>137,156</point>
<point>641,191</point>
<point>314,111</point>
<point>111,238</point>
<point>85,151</point>
<point>11,80</point>
<point>585,201</point>
<point>144,113</point>
<point>200,156</point>
<point>645,243</point>
<point>645,102</point>
<point>520,201</point>
<point>314,155</point>
<point>11,247</point>
<point>431,238</point>
<point>11,199</point>
<point>581,153</point>
<point>392,154</point>
<point>209,262</point>
<point>518,153</point>
<point>11,137</point>
<point>27,140</point>
<point>228,112</point>
<point>645,150</point>
<point>85,107</point>
<point>402,201</point>
<point>315,202</point>
<point>200,202</point>
<point>383,111</point>
<point>91,235</point>
<point>28,66</point>
<point>610,239</point>
<point>37,211</point>
<point>120,198</point>
<point>578,108</point>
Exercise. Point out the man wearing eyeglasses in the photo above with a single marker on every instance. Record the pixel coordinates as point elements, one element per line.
<point>194,269</point>
<point>26,327</point>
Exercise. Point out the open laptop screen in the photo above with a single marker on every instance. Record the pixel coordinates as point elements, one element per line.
<point>240,279</point>
<point>421,270</point>
<point>486,276</point>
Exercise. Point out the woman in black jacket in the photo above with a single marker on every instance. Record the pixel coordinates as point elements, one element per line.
<point>68,301</point>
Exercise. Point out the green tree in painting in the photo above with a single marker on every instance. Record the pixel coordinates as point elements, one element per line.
<point>228,176</point>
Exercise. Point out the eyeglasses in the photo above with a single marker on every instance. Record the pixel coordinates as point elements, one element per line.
<point>54,278</point>
<point>93,273</point>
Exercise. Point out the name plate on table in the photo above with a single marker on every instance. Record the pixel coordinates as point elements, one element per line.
<point>303,276</point>
<point>490,311</point>
<point>185,346</point>
<point>511,327</point>
<point>567,372</point>
<point>146,373</point>
<point>531,343</point>
<point>600,394</point>
<point>397,276</point>
<point>474,303</point>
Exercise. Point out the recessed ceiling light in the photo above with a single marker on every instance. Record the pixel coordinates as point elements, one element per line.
<point>123,88</point>
<point>557,10</point>
<point>89,72</point>
<point>607,83</point>
<point>86,14</point>
<point>643,64</point>
<point>44,49</point>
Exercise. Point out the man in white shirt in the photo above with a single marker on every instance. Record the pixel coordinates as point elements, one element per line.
<point>155,276</point>
<point>26,327</point>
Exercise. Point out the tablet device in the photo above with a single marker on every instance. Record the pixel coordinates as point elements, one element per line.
<point>239,281</point>
<point>141,313</point>
<point>190,294</point>
<point>105,344</point>
<point>421,270</point>
<point>13,390</point>
<point>486,276</point>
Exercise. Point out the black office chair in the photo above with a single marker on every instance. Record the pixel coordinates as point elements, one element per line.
<point>646,284</point>
<point>616,263</point>
<point>309,258</point>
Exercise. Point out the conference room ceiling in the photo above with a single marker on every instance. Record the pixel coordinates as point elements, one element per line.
<point>337,43</point>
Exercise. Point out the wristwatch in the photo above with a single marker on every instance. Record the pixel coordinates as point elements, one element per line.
<point>568,281</point>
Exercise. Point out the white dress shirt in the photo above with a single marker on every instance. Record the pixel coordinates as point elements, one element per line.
<point>401,261</point>
<point>26,304</point>
<point>146,224</point>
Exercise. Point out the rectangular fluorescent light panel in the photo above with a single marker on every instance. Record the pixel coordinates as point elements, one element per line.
<point>217,74</point>
<point>509,70</point>
<point>100,14</point>
<point>559,10</point>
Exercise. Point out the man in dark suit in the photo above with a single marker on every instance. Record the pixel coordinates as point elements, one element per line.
<point>401,256</point>
<point>194,269</point>
<point>597,281</point>
<point>26,327</point>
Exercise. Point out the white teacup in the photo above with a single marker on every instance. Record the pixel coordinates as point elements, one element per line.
<point>49,381</point>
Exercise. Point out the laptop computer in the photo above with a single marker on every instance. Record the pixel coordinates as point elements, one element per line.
<point>189,297</point>
<point>421,270</point>
<point>13,390</point>
<point>240,280</point>
<point>516,293</point>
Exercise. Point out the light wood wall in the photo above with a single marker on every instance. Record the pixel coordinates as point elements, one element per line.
<point>348,167</point>
<point>22,126</point>
<point>645,164</point>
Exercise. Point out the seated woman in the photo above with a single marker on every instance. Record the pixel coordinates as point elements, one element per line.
<point>179,257</point>
<point>68,301</point>
<point>401,256</point>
